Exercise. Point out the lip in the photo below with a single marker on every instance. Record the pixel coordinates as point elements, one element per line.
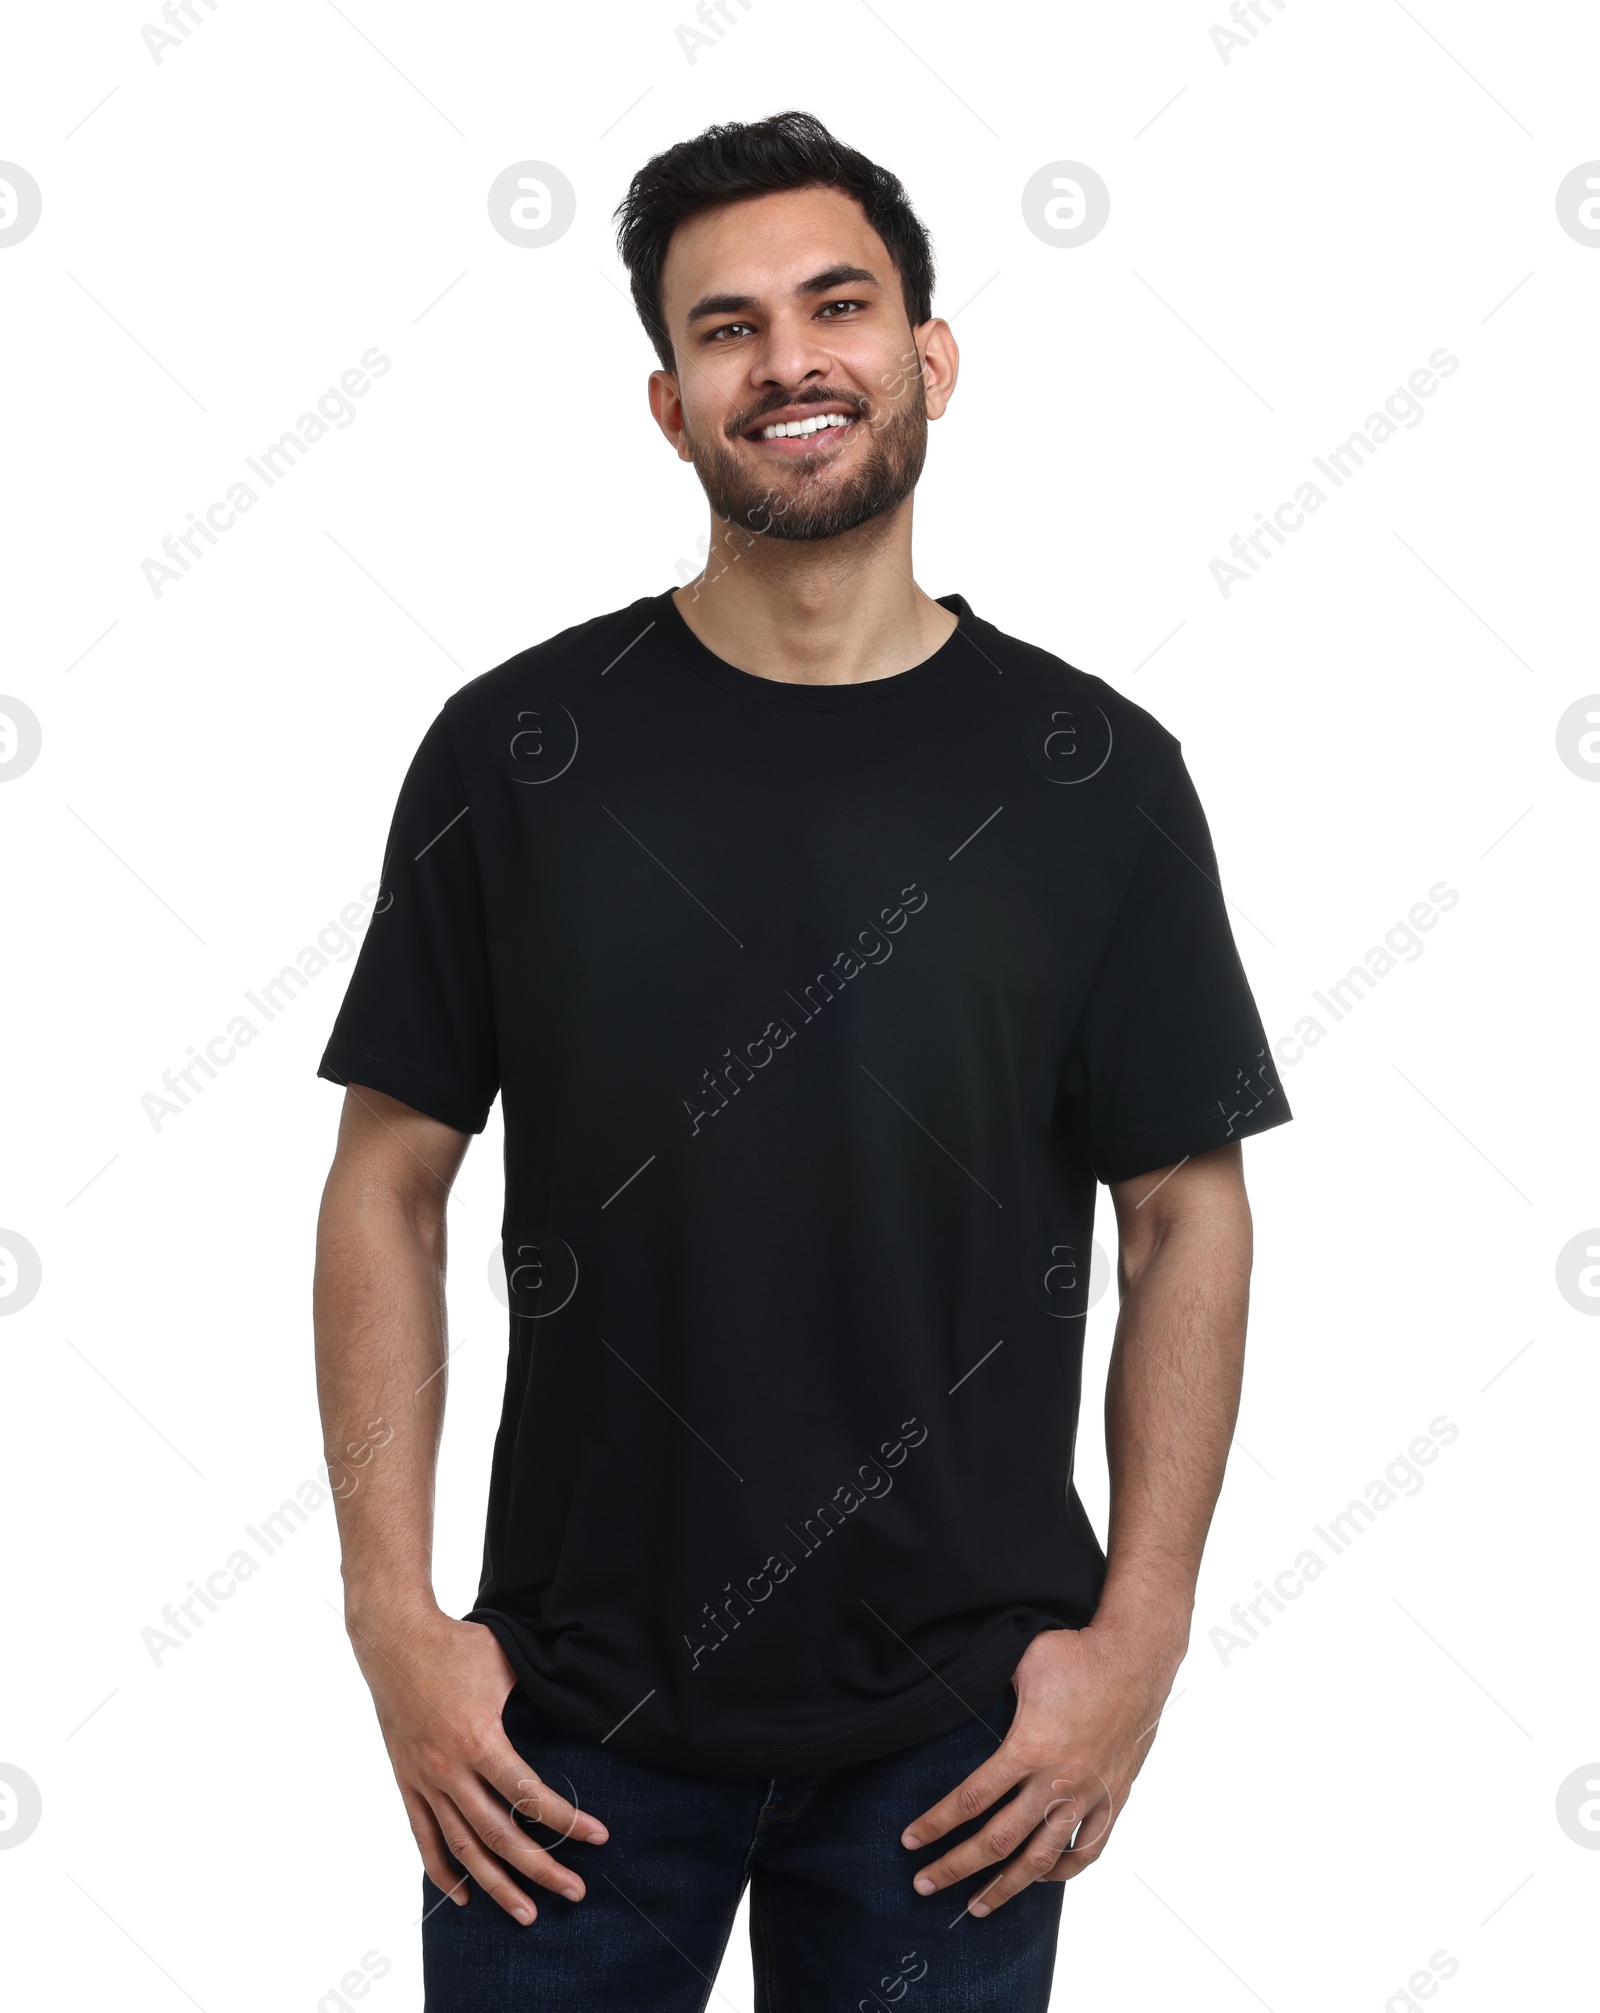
<point>811,443</point>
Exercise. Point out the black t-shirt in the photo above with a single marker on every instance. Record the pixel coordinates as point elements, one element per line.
<point>815,1012</point>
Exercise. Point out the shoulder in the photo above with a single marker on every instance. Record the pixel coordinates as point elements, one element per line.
<point>553,668</point>
<point>1059,698</point>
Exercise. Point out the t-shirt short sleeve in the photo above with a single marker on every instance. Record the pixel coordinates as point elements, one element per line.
<point>1169,1058</point>
<point>417,1020</point>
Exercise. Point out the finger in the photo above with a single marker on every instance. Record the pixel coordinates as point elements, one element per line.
<point>485,1867</point>
<point>969,1799</point>
<point>1037,1860</point>
<point>532,1797</point>
<point>1003,1835</point>
<point>430,1843</point>
<point>1086,1848</point>
<point>496,1828</point>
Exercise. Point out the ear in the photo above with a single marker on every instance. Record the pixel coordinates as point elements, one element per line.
<point>941,362</point>
<point>666,404</point>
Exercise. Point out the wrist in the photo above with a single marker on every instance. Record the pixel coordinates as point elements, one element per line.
<point>377,1610</point>
<point>1154,1622</point>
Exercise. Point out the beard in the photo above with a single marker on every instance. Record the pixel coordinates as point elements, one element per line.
<point>807,501</point>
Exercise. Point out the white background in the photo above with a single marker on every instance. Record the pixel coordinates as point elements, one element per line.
<point>1292,233</point>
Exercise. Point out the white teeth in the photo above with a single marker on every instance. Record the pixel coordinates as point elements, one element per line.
<point>795,429</point>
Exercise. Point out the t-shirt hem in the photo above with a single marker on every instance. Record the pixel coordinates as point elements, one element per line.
<point>884,1732</point>
<point>1151,1150</point>
<point>345,1062</point>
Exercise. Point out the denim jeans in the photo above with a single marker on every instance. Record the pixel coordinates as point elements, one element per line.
<point>835,1924</point>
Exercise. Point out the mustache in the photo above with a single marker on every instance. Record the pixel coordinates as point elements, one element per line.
<point>741,422</point>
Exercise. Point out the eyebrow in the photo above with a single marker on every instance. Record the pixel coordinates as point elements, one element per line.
<point>819,283</point>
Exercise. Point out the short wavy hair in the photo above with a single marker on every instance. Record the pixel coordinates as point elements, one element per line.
<point>791,150</point>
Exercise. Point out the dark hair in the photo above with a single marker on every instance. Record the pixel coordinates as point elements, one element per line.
<point>791,150</point>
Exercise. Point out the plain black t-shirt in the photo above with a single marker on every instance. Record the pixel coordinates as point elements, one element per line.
<point>815,1012</point>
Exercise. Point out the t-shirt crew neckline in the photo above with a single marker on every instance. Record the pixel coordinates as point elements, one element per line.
<point>916,679</point>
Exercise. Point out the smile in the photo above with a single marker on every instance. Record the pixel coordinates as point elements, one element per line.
<point>800,429</point>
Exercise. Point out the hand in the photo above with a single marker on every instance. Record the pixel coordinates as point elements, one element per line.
<point>1087,1705</point>
<point>439,1686</point>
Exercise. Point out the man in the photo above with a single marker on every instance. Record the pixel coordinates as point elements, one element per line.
<point>825,945</point>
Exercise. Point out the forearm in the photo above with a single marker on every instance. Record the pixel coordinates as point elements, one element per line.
<point>379,1318</point>
<point>1172,1396</point>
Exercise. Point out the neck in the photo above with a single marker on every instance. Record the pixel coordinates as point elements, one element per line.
<point>832,611</point>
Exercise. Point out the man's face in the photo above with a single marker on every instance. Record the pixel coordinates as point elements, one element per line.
<point>786,309</point>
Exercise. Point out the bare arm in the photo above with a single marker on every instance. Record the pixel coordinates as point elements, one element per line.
<point>1172,1391</point>
<point>438,1684</point>
<point>1088,1700</point>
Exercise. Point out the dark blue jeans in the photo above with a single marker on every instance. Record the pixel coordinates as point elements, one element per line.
<point>835,1924</point>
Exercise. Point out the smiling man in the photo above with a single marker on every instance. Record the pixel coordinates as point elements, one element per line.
<point>826,946</point>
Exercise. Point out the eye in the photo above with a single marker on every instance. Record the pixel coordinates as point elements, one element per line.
<point>729,328</point>
<point>851,306</point>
